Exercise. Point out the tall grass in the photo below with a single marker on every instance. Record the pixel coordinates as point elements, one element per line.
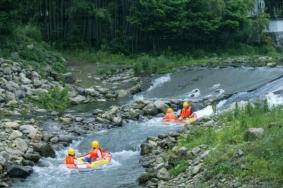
<point>262,158</point>
<point>146,64</point>
<point>56,99</point>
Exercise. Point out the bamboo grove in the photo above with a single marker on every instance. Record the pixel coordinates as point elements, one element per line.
<point>128,26</point>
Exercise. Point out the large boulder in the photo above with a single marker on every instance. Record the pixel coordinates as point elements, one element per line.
<point>29,130</point>
<point>146,148</point>
<point>12,125</point>
<point>145,178</point>
<point>15,134</point>
<point>3,161</point>
<point>78,99</point>
<point>150,109</point>
<point>117,121</point>
<point>69,78</point>
<point>92,92</point>
<point>254,133</point>
<point>16,171</point>
<point>163,174</point>
<point>32,157</point>
<point>45,150</point>
<point>122,93</point>
<point>21,145</point>
<point>184,153</point>
<point>161,106</point>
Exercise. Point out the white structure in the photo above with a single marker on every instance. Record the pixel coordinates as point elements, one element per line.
<point>259,7</point>
<point>275,26</point>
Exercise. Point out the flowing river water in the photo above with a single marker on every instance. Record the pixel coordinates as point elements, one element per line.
<point>229,85</point>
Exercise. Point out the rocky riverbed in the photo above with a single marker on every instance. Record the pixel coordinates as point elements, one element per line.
<point>24,139</point>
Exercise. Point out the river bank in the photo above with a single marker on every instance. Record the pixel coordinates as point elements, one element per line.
<point>238,148</point>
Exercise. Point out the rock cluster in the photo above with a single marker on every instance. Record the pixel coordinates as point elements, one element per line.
<point>17,82</point>
<point>21,146</point>
<point>157,162</point>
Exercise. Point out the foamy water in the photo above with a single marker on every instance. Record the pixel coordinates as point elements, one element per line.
<point>159,81</point>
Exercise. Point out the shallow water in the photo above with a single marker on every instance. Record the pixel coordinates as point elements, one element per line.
<point>242,83</point>
<point>123,171</point>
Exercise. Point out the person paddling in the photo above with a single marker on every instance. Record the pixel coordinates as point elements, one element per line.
<point>186,112</point>
<point>70,159</point>
<point>96,153</point>
<point>170,116</point>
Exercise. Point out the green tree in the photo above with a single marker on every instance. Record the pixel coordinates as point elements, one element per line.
<point>8,17</point>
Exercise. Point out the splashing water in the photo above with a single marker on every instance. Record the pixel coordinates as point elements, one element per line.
<point>159,82</point>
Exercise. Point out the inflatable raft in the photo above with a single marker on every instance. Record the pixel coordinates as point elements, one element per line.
<point>80,164</point>
<point>183,122</point>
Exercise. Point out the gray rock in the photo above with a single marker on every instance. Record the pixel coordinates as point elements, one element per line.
<point>54,140</point>
<point>92,92</point>
<point>196,169</point>
<point>254,133</point>
<point>20,94</point>
<point>196,151</point>
<point>15,134</point>
<point>12,125</point>
<point>184,153</point>
<point>16,171</point>
<point>150,109</point>
<point>37,83</point>
<point>66,138</point>
<point>3,161</point>
<point>24,79</point>
<point>145,178</point>
<point>32,157</point>
<point>12,86</point>
<point>78,99</point>
<point>163,174</point>
<point>3,184</point>
<point>122,93</point>
<point>102,90</point>
<point>271,64</point>
<point>29,130</point>
<point>239,153</point>
<point>69,78</point>
<point>45,150</point>
<point>10,96</point>
<point>161,106</point>
<point>117,121</point>
<point>146,149</point>
<point>205,154</point>
<point>159,166</point>
<point>21,145</point>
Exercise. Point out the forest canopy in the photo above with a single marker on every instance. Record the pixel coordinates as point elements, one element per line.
<point>138,25</point>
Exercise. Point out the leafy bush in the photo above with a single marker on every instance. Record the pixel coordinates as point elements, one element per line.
<point>55,99</point>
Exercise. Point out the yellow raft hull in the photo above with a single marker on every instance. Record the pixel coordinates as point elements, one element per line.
<point>84,165</point>
<point>182,122</point>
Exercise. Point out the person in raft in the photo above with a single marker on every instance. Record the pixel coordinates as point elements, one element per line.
<point>186,112</point>
<point>70,159</point>
<point>95,154</point>
<point>170,116</point>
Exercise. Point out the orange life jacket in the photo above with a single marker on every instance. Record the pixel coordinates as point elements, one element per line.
<point>186,112</point>
<point>170,117</point>
<point>70,160</point>
<point>93,153</point>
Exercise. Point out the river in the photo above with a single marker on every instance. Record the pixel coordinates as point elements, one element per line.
<point>195,84</point>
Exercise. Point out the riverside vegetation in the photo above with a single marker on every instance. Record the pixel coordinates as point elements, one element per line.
<point>239,148</point>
